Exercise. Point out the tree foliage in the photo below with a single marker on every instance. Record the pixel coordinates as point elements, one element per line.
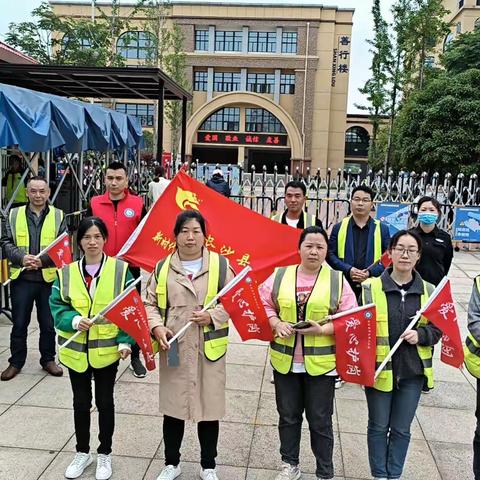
<point>463,53</point>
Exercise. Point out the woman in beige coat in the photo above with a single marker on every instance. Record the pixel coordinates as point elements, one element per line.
<point>192,371</point>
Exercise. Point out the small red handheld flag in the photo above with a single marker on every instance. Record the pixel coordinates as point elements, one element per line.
<point>60,251</point>
<point>386,259</point>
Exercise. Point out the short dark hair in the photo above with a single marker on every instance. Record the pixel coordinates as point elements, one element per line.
<point>117,166</point>
<point>363,188</point>
<point>401,233</point>
<point>159,171</point>
<point>37,178</point>
<point>89,222</point>
<point>184,217</point>
<point>312,229</point>
<point>296,184</point>
<point>434,202</point>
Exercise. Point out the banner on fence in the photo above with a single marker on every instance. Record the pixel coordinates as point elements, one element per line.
<point>467,224</point>
<point>395,215</point>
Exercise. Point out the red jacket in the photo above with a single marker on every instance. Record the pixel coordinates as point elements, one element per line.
<point>121,223</point>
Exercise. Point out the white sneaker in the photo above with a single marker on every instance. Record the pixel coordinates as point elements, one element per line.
<point>169,472</point>
<point>79,463</point>
<point>208,474</point>
<point>339,383</point>
<point>104,467</point>
<point>289,472</point>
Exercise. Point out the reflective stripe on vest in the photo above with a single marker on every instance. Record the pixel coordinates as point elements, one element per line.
<point>101,342</point>
<point>12,181</point>
<point>372,292</point>
<point>21,236</point>
<point>318,351</point>
<point>342,239</point>
<point>472,347</point>
<point>308,220</point>
<point>215,340</point>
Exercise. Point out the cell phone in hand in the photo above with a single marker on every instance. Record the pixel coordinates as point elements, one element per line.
<point>300,325</point>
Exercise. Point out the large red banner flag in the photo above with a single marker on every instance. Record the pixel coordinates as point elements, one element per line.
<point>245,237</point>
<point>246,310</point>
<point>440,310</point>
<point>129,314</point>
<point>60,251</point>
<point>355,344</point>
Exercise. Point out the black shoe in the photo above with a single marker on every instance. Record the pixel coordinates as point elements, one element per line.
<point>137,368</point>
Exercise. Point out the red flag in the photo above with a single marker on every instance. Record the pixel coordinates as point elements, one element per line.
<point>246,310</point>
<point>129,315</point>
<point>386,259</point>
<point>440,310</point>
<point>60,251</point>
<point>239,234</point>
<point>355,344</point>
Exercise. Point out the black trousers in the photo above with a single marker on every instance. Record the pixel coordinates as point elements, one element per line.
<point>476,438</point>
<point>23,295</point>
<point>82,403</point>
<point>173,430</point>
<point>294,393</point>
<point>135,271</point>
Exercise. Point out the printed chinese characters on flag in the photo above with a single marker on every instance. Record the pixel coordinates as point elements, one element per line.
<point>60,251</point>
<point>129,315</point>
<point>246,310</point>
<point>355,344</point>
<point>440,310</point>
<point>243,236</point>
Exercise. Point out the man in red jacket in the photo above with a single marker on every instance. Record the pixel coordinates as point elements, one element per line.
<point>122,212</point>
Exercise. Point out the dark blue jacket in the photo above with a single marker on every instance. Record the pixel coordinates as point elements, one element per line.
<point>347,263</point>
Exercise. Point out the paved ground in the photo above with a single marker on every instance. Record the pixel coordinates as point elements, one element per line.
<point>36,421</point>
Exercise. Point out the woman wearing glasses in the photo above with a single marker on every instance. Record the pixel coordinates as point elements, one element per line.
<point>398,294</point>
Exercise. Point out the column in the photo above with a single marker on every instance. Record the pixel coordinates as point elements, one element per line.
<point>211,39</point>
<point>245,40</point>
<point>243,80</point>
<point>279,39</point>
<point>209,83</point>
<point>276,91</point>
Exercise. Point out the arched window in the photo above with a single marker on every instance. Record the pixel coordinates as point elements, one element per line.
<point>259,120</point>
<point>136,45</point>
<point>223,120</point>
<point>448,39</point>
<point>476,24</point>
<point>357,140</point>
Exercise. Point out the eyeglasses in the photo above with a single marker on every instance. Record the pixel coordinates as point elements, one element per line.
<point>361,200</point>
<point>409,251</point>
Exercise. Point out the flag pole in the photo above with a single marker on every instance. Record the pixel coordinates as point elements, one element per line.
<point>415,319</point>
<point>39,254</point>
<point>348,312</point>
<point>224,290</point>
<point>131,287</point>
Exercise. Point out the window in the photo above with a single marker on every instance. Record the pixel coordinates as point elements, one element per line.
<point>136,45</point>
<point>289,42</point>
<point>460,3</point>
<point>260,120</point>
<point>477,22</point>
<point>478,3</point>
<point>261,82</point>
<point>287,83</point>
<point>224,120</point>
<point>200,80</point>
<point>201,40</point>
<point>448,39</point>
<point>81,43</point>
<point>459,28</point>
<point>430,61</point>
<point>228,41</point>
<point>262,42</point>
<point>226,82</point>
<point>357,141</point>
<point>145,112</point>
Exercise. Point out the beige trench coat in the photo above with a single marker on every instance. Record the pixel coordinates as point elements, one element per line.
<point>194,390</point>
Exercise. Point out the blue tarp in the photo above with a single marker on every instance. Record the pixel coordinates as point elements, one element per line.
<point>38,122</point>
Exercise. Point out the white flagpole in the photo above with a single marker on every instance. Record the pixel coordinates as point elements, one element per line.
<point>104,310</point>
<point>224,290</point>
<point>349,312</point>
<point>39,254</point>
<point>415,319</point>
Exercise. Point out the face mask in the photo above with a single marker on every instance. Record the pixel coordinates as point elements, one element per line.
<point>427,218</point>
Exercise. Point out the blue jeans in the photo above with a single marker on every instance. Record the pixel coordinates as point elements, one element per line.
<point>390,415</point>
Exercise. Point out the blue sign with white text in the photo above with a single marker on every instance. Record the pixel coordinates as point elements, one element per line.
<point>466,227</point>
<point>395,215</point>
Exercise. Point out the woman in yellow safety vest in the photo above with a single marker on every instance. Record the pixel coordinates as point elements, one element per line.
<point>192,369</point>
<point>398,294</point>
<point>83,289</point>
<point>297,300</point>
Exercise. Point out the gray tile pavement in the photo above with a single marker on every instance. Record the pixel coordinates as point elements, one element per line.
<point>36,418</point>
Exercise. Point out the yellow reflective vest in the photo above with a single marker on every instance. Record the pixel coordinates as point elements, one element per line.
<point>12,181</point>
<point>342,239</point>
<point>50,228</point>
<point>98,346</point>
<point>372,292</point>
<point>318,351</point>
<point>308,220</point>
<point>215,341</point>
<point>472,347</point>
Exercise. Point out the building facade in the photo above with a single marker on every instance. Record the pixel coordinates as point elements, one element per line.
<point>269,82</point>
<point>464,17</point>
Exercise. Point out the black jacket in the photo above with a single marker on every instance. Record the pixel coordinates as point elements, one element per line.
<point>218,184</point>
<point>318,222</point>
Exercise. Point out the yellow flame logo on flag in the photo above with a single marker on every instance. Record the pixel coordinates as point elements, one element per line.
<point>186,199</point>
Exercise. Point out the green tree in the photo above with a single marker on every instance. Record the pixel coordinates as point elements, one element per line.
<point>463,53</point>
<point>439,126</point>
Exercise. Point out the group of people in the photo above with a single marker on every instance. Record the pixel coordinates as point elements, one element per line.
<point>335,273</point>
